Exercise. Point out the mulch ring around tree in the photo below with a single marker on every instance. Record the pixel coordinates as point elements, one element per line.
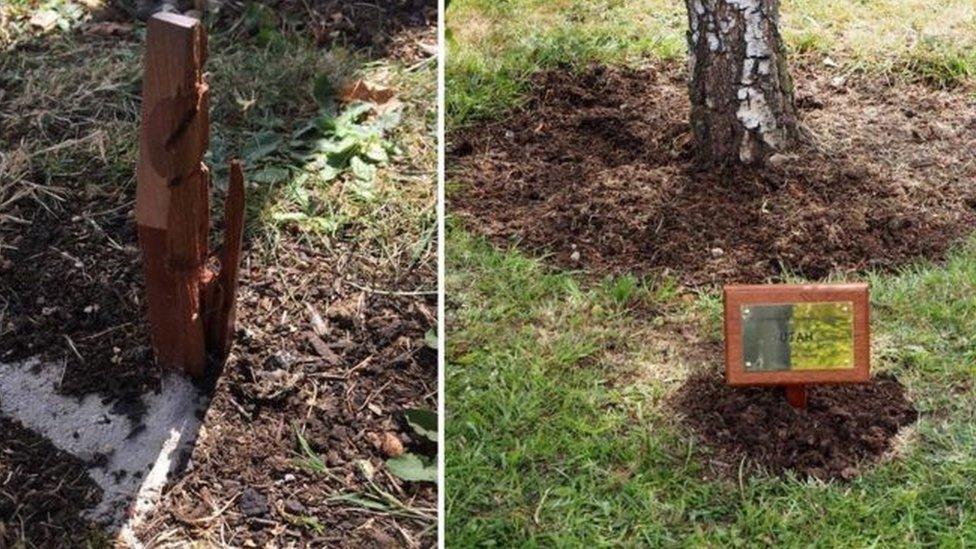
<point>596,172</point>
<point>843,430</point>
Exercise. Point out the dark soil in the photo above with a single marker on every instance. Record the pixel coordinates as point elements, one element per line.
<point>72,282</point>
<point>343,387</point>
<point>843,429</point>
<point>384,28</point>
<point>71,285</point>
<point>42,492</point>
<point>66,282</point>
<point>596,171</point>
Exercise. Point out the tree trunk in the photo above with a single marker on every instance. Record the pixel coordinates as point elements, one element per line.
<point>742,107</point>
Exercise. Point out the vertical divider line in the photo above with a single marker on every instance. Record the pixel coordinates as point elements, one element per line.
<point>441,270</point>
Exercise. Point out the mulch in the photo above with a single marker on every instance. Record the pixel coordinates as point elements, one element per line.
<point>595,172</point>
<point>43,492</point>
<point>318,351</point>
<point>331,344</point>
<point>843,430</point>
<point>315,355</point>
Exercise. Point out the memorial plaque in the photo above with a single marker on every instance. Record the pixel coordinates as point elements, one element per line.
<point>796,334</point>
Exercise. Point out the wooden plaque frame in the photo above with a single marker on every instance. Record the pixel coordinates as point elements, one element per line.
<point>737,296</point>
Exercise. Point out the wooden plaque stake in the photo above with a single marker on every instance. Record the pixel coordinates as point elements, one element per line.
<point>190,307</point>
<point>797,335</point>
<point>796,395</point>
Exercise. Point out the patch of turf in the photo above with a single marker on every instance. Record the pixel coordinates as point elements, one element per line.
<point>544,448</point>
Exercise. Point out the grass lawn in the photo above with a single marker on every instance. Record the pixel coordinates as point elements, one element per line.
<point>558,428</point>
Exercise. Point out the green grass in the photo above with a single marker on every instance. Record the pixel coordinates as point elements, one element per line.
<point>494,46</point>
<point>558,432</point>
<point>70,114</point>
<point>544,448</point>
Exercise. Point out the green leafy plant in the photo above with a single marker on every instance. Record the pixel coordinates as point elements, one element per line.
<point>331,145</point>
<point>261,21</point>
<point>410,466</point>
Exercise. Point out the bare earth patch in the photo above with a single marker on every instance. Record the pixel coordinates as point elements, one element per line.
<point>843,429</point>
<point>71,292</point>
<point>596,171</point>
<point>43,491</point>
<point>342,389</point>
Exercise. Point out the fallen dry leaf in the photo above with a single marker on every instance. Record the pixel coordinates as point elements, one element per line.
<point>44,19</point>
<point>361,90</point>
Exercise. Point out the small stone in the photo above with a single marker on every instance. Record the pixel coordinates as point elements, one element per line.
<point>253,503</point>
<point>717,252</point>
<point>294,507</point>
<point>575,256</point>
<point>779,160</point>
<point>391,445</point>
<point>289,477</point>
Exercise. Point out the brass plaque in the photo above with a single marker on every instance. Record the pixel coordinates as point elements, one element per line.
<point>798,336</point>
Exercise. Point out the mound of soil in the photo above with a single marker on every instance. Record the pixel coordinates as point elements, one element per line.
<point>597,171</point>
<point>42,492</point>
<point>842,429</point>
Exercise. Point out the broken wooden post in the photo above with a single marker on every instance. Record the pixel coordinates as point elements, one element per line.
<point>223,291</point>
<point>172,202</point>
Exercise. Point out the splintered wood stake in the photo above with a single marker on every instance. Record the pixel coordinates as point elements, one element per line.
<point>172,198</point>
<point>223,297</point>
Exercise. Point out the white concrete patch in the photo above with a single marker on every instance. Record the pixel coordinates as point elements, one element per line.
<point>140,456</point>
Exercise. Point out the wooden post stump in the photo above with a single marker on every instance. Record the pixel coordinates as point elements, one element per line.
<point>190,307</point>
